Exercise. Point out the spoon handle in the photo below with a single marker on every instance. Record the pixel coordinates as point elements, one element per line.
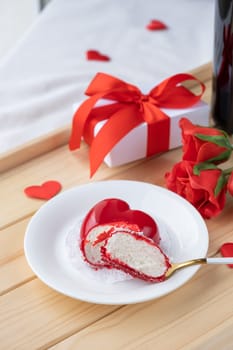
<point>219,260</point>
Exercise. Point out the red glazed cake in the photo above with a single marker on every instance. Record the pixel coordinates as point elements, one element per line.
<point>115,236</point>
<point>116,210</point>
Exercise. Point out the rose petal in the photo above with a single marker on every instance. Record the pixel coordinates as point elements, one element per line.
<point>227,251</point>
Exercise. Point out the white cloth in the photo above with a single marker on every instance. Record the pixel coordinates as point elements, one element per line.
<point>47,71</point>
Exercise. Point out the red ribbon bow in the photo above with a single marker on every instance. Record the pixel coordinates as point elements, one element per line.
<point>131,108</point>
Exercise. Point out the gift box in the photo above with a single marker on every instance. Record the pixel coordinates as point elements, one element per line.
<point>121,124</point>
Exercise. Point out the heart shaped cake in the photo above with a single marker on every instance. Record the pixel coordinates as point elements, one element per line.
<point>112,210</point>
<point>115,236</point>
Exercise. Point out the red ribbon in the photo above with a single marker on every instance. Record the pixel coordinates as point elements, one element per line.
<point>131,108</point>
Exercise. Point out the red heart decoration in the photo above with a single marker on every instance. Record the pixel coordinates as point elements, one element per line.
<point>96,55</point>
<point>115,210</point>
<point>45,191</point>
<point>154,24</point>
<point>227,251</point>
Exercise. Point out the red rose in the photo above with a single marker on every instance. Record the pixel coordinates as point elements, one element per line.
<point>202,144</point>
<point>230,184</point>
<point>207,191</point>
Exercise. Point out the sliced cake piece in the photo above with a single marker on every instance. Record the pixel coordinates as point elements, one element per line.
<point>135,254</point>
<point>95,239</point>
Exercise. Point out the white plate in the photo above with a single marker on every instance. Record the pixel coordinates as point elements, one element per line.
<point>46,250</point>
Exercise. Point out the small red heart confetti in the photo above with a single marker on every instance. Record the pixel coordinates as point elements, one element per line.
<point>154,24</point>
<point>96,55</point>
<point>226,250</point>
<point>45,191</point>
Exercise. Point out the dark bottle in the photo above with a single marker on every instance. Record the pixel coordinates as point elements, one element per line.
<point>222,93</point>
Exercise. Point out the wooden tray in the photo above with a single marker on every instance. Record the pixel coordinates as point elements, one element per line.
<point>197,316</point>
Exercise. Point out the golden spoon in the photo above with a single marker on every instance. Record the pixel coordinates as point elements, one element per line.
<point>177,266</point>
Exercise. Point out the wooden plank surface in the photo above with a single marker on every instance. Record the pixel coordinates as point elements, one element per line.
<point>33,316</point>
<point>172,322</point>
<point>197,316</point>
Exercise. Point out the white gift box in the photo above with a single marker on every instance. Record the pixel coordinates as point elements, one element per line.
<point>134,145</point>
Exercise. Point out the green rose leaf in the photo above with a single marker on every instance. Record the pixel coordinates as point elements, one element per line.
<point>220,140</point>
<point>221,157</point>
<point>220,184</point>
<point>203,166</point>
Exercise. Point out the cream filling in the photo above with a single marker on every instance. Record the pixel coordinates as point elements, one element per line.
<point>137,254</point>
